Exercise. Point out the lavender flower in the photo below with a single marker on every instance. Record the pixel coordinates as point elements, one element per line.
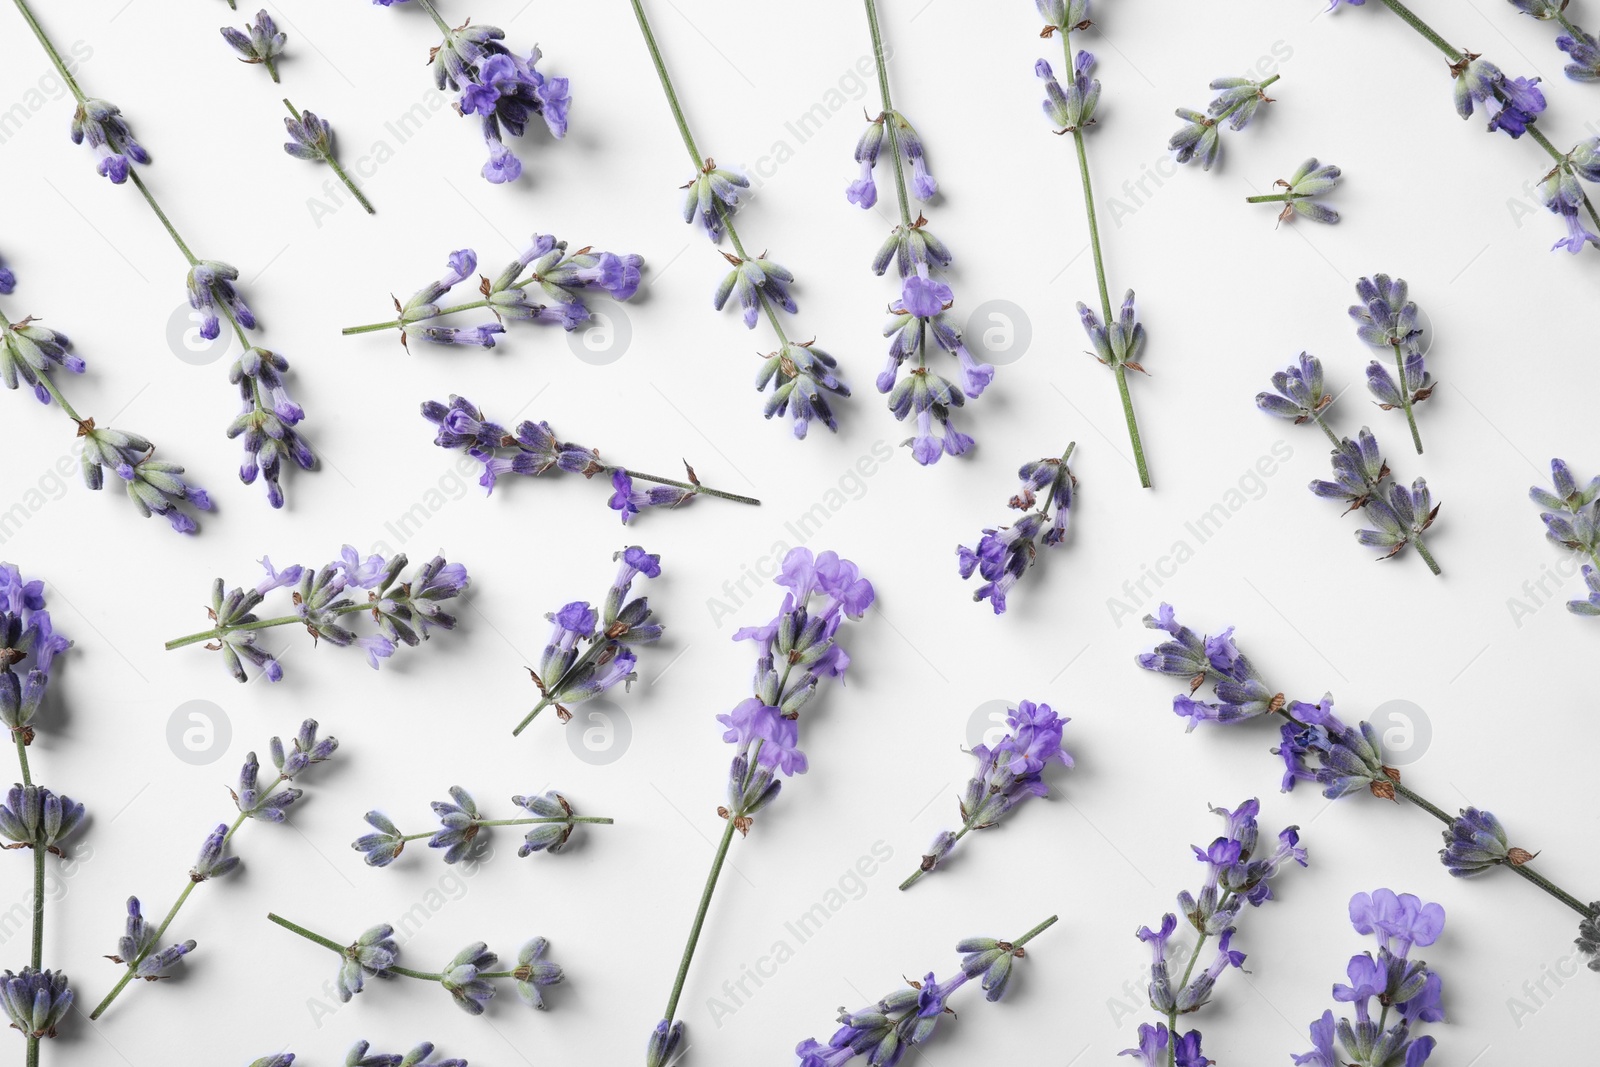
<point>102,126</point>
<point>534,973</point>
<point>534,450</point>
<point>260,42</point>
<point>550,818</point>
<point>311,138</point>
<point>35,1001</point>
<point>543,284</point>
<point>1236,103</point>
<point>822,591</point>
<point>1571,519</point>
<point>35,817</point>
<point>1070,108</point>
<point>266,425</point>
<point>323,603</point>
<point>907,1018</point>
<point>1361,477</point>
<point>140,939</point>
<point>499,86</point>
<point>908,148</point>
<point>420,1056</point>
<point>566,677</point>
<point>33,354</point>
<point>1584,51</point>
<point>1387,319</point>
<point>1399,985</point>
<point>373,953</point>
<point>1310,180</point>
<point>1236,874</point>
<point>1008,774</point>
<point>1004,554</point>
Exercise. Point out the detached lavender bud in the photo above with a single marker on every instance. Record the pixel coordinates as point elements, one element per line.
<point>260,42</point>
<point>35,1001</point>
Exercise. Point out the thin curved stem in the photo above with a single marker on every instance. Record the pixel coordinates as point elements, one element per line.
<point>889,115</point>
<point>699,918</point>
<point>1411,19</point>
<point>333,161</point>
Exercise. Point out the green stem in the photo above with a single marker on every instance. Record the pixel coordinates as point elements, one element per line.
<point>55,394</point>
<point>563,819</point>
<point>1188,972</point>
<point>919,872</point>
<point>272,69</point>
<point>1276,198</point>
<point>719,493</point>
<point>342,950</point>
<point>37,956</point>
<point>144,190</point>
<point>1117,369</point>
<point>1411,19</point>
<point>1405,398</point>
<point>50,50</point>
<point>433,13</point>
<point>259,624</point>
<point>890,116</point>
<point>700,914</point>
<point>1035,932</point>
<point>333,161</point>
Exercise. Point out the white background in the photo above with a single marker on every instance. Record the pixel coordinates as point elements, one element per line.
<point>1227,299</point>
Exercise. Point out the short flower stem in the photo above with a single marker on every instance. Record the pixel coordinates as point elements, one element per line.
<point>1427,557</point>
<point>718,493</point>
<point>889,116</point>
<point>438,20</point>
<point>1276,198</point>
<point>1117,369</point>
<point>1188,972</point>
<point>565,820</point>
<point>699,919</point>
<point>37,954</point>
<point>1035,932</point>
<point>172,913</point>
<point>1405,398</point>
<point>332,160</point>
<point>919,872</point>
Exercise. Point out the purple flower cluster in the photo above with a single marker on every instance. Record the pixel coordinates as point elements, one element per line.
<point>102,126</point>
<point>1388,320</point>
<point>260,42</point>
<point>502,88</point>
<point>29,645</point>
<point>545,283</point>
<point>1236,102</point>
<point>567,677</point>
<point>1008,773</point>
<point>324,604</point>
<point>360,1054</point>
<point>823,591</point>
<point>1571,516</point>
<point>1005,553</point>
<point>1236,875</point>
<point>906,143</point>
<point>32,354</point>
<point>1389,982</point>
<point>1361,478</point>
<point>267,424</point>
<point>1511,104</point>
<point>462,828</point>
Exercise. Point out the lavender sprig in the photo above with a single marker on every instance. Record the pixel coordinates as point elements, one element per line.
<point>921,312</point>
<point>502,88</point>
<point>822,591</point>
<point>802,377</point>
<point>311,138</point>
<point>1236,874</point>
<point>260,42</point>
<point>566,677</point>
<point>361,1055</point>
<point>905,1019</point>
<point>1580,47</point>
<point>1316,746</point>
<point>562,277</point>
<point>1387,319</point>
<point>1312,179</point>
<point>1236,103</point>
<point>32,354</point>
<point>404,612</point>
<point>461,835</point>
<point>1008,774</point>
<point>1571,519</point>
<point>268,421</point>
<point>36,1000</point>
<point>1361,476</point>
<point>1005,553</point>
<point>139,950</point>
<point>1118,339</point>
<point>533,449</point>
<point>1399,986</point>
<point>467,976</point>
<point>1513,105</point>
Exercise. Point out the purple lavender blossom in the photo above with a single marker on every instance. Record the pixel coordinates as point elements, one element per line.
<point>259,43</point>
<point>1236,102</point>
<point>102,126</point>
<point>1571,517</point>
<point>904,139</point>
<point>29,645</point>
<point>1004,554</point>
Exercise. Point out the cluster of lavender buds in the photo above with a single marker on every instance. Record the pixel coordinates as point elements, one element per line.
<point>311,138</point>
<point>1361,478</point>
<point>1236,875</point>
<point>404,611</point>
<point>1315,745</point>
<point>1513,105</point>
<point>1386,319</point>
<point>1580,47</point>
<point>906,1019</point>
<point>36,1000</point>
<point>1236,103</point>
<point>361,1055</point>
<point>1391,982</point>
<point>1118,339</point>
<point>545,283</point>
<point>502,88</point>
<point>32,354</point>
<point>1572,520</point>
<point>467,976</point>
<point>1005,553</point>
<point>533,449</point>
<point>922,310</point>
<point>267,429</point>
<point>1312,179</point>
<point>802,377</point>
<point>142,950</point>
<point>1008,773</point>
<point>461,833</point>
<point>260,42</point>
<point>822,591</point>
<point>567,678</point>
